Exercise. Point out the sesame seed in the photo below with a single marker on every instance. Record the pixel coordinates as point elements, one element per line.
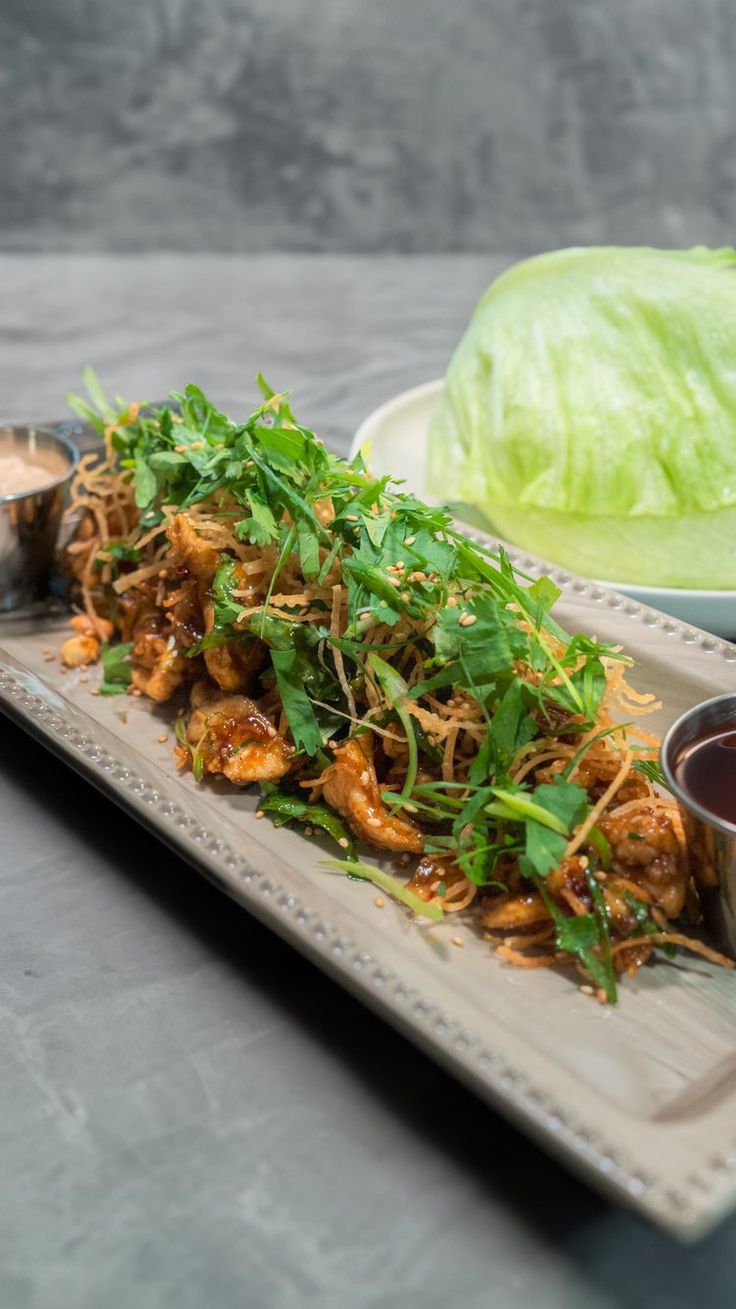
<point>49,657</point>
<point>163,738</point>
<point>271,730</point>
<point>344,842</point>
<point>406,596</point>
<point>378,902</point>
<point>84,678</point>
<point>137,692</point>
<point>400,565</point>
<point>365,777</point>
<point>410,540</point>
<point>457,940</point>
<point>95,690</point>
<point>197,445</point>
<point>351,518</point>
<point>586,990</point>
<point>394,580</point>
<point>467,620</point>
<point>308,831</point>
<point>411,809</point>
<point>180,449</point>
<point>452,601</point>
<point>260,813</point>
<point>372,821</point>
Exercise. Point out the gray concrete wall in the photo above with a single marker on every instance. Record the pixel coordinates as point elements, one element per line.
<point>365,124</point>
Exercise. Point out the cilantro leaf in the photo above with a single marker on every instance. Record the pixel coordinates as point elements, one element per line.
<point>227,609</point>
<point>297,706</point>
<point>117,673</point>
<point>308,542</point>
<point>260,528</point>
<point>650,769</point>
<point>145,481</point>
<point>282,807</point>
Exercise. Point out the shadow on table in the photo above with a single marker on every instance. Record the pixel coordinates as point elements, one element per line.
<point>627,1262</point>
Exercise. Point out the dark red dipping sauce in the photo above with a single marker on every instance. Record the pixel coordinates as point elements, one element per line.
<point>706,771</point>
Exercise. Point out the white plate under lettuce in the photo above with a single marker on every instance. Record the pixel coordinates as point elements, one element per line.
<point>397,433</point>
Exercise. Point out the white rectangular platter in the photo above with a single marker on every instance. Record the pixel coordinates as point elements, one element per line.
<point>640,1099</point>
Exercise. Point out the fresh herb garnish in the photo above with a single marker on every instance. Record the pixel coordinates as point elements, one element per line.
<point>117,673</point>
<point>282,808</point>
<point>455,619</point>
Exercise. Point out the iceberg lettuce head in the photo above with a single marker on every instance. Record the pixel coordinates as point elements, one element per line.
<point>590,413</point>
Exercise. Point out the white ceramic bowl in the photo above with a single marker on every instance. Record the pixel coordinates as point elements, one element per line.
<point>397,435</point>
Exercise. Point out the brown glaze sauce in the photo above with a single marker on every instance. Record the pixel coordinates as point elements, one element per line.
<point>706,771</point>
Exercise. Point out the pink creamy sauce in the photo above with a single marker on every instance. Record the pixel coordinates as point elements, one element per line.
<point>17,475</point>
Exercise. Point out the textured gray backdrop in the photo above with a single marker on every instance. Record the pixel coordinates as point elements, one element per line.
<point>365,124</point>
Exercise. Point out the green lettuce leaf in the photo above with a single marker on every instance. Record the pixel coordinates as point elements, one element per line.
<point>590,413</point>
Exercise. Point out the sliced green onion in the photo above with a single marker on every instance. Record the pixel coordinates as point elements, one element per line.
<point>570,767</point>
<point>395,689</point>
<point>601,914</point>
<point>518,807</point>
<point>596,838</point>
<point>387,883</point>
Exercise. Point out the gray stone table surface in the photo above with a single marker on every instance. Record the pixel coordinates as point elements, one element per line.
<point>190,1114</point>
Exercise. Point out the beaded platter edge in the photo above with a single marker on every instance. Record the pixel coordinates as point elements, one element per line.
<point>686,1210</point>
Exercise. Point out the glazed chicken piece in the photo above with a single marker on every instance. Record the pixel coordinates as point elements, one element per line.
<point>158,668</point>
<point>184,613</point>
<point>594,773</point>
<point>78,651</point>
<point>512,913</point>
<point>350,786</point>
<point>234,664</point>
<point>524,911</point>
<point>234,738</point>
<point>100,628</point>
<point>85,646</point>
<point>646,849</point>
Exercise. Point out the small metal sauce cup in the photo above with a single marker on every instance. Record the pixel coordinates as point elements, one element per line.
<point>30,520</point>
<point>711,840</point>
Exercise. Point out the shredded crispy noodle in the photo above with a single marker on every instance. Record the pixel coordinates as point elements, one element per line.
<point>345,648</point>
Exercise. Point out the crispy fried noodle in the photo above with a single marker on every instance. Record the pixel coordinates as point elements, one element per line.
<point>329,638</point>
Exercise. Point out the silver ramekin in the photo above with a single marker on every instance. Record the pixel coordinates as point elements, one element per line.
<point>711,840</point>
<point>30,520</point>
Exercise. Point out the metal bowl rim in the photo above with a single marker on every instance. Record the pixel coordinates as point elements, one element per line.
<point>686,800</point>
<point>64,441</point>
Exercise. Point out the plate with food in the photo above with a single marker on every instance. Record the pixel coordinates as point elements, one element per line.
<point>588,416</point>
<point>422,759</point>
